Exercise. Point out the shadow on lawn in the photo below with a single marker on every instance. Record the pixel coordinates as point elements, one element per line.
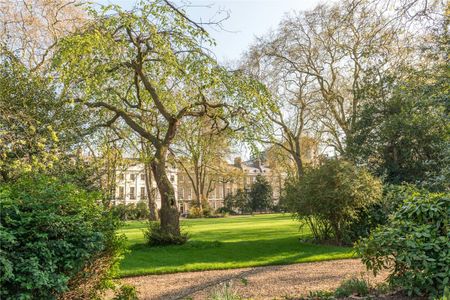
<point>221,255</point>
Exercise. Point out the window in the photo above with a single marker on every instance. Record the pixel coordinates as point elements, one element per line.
<point>172,178</point>
<point>143,196</point>
<point>121,177</point>
<point>228,191</point>
<point>187,194</point>
<point>180,193</point>
<point>132,193</point>
<point>142,176</point>
<point>121,192</point>
<point>132,176</point>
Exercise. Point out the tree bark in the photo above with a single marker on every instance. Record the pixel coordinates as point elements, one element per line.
<point>153,215</point>
<point>168,213</point>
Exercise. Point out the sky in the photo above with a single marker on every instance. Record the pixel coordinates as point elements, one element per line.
<point>247,20</point>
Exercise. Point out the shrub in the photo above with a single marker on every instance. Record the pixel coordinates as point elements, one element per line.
<point>141,211</point>
<point>126,292</point>
<point>156,237</point>
<point>414,245</point>
<point>194,212</point>
<point>131,211</point>
<point>329,198</point>
<point>56,241</point>
<point>368,218</point>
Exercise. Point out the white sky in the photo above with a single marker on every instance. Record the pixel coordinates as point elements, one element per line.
<point>247,19</point>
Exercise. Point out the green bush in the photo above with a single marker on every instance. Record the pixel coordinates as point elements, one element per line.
<point>126,292</point>
<point>331,197</point>
<point>56,241</point>
<point>414,244</point>
<point>131,211</point>
<point>141,211</point>
<point>368,218</point>
<point>156,237</point>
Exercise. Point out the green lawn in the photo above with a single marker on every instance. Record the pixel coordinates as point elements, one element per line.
<point>226,243</point>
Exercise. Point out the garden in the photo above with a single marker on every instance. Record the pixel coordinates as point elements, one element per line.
<point>342,111</point>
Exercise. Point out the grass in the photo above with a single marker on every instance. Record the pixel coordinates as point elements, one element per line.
<point>226,243</point>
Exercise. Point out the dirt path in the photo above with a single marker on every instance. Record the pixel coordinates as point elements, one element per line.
<point>272,282</point>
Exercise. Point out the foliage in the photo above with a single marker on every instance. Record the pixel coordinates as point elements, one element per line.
<point>414,244</point>
<point>154,64</point>
<point>35,125</point>
<point>56,240</point>
<point>353,286</point>
<point>126,292</point>
<point>195,212</point>
<point>329,198</point>
<point>405,136</point>
<point>260,195</point>
<point>238,203</point>
<point>131,211</point>
<point>154,236</point>
<point>378,213</point>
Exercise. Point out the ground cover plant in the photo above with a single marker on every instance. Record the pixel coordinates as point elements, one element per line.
<point>226,243</point>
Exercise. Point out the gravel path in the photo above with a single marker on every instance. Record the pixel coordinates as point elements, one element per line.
<point>272,282</point>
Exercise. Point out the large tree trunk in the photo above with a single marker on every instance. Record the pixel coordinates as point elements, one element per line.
<point>169,216</point>
<point>153,215</point>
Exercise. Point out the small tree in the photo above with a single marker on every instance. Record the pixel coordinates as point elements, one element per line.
<point>329,198</point>
<point>260,195</point>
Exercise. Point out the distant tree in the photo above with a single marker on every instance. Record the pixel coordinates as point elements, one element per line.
<point>200,150</point>
<point>261,194</point>
<point>31,29</point>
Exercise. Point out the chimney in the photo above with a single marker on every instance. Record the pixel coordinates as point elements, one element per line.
<point>258,163</point>
<point>237,162</point>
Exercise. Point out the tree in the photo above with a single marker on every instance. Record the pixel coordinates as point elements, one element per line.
<point>404,136</point>
<point>31,29</point>
<point>147,69</point>
<point>319,61</point>
<point>402,129</point>
<point>200,151</point>
<point>36,129</point>
<point>260,194</point>
<point>289,112</point>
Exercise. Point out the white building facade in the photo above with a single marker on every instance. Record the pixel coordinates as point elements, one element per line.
<point>131,186</point>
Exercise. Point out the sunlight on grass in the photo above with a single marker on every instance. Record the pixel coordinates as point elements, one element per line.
<point>226,243</point>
